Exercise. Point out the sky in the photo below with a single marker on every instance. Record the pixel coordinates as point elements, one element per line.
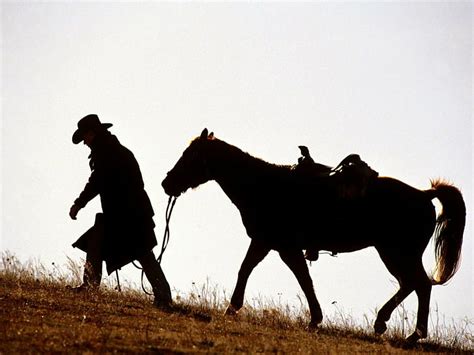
<point>391,81</point>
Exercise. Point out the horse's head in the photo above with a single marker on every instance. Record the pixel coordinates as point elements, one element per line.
<point>192,169</point>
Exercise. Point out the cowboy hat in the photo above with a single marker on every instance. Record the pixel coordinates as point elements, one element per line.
<point>88,123</point>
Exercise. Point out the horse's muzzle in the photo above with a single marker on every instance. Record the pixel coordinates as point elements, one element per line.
<point>170,189</point>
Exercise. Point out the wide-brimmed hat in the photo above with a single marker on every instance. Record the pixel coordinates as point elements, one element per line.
<point>88,123</point>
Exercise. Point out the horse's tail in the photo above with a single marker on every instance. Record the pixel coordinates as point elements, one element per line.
<point>449,230</point>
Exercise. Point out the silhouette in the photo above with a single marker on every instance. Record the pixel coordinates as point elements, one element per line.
<point>287,212</point>
<point>125,230</point>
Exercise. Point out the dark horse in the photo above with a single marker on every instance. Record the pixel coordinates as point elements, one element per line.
<point>286,212</point>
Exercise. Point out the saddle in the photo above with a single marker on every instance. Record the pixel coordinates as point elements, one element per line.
<point>351,176</point>
<point>350,179</point>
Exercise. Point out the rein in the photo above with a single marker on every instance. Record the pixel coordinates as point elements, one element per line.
<point>166,236</point>
<point>164,244</point>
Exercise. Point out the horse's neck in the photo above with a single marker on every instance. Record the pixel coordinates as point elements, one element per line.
<point>239,174</point>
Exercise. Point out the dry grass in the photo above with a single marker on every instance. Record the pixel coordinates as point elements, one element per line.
<point>38,314</point>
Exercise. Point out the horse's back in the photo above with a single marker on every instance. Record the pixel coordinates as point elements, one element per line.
<point>398,195</point>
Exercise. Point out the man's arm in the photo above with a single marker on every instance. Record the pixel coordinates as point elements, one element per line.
<point>90,191</point>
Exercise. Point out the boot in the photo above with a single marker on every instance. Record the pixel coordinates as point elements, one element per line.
<point>91,242</point>
<point>157,279</point>
<point>91,278</point>
<point>92,273</point>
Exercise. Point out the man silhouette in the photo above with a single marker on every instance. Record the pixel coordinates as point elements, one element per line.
<point>125,230</point>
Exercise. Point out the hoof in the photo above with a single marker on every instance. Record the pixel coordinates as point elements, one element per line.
<point>313,326</point>
<point>417,335</point>
<point>163,305</point>
<point>380,327</point>
<point>412,339</point>
<point>231,311</point>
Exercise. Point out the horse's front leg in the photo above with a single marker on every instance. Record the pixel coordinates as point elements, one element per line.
<point>256,253</point>
<point>294,259</point>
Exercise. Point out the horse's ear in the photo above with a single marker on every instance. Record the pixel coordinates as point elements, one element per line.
<point>211,136</point>
<point>204,133</point>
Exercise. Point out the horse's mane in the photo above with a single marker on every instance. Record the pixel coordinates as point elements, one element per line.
<point>246,158</point>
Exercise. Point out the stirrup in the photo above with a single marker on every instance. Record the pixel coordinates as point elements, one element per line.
<point>311,254</point>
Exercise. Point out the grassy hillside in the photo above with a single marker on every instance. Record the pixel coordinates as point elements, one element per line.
<point>38,314</point>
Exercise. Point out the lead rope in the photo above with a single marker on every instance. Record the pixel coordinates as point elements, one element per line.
<point>164,244</point>
<point>166,236</point>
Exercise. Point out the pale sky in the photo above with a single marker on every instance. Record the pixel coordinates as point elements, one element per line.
<point>390,81</point>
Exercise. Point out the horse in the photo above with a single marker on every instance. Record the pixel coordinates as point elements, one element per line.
<point>286,212</point>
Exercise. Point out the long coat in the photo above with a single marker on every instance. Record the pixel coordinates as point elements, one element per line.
<point>127,211</point>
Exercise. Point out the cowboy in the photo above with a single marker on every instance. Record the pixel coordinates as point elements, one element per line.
<point>124,232</point>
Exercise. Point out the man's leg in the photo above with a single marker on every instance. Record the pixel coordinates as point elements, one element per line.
<point>93,267</point>
<point>157,279</point>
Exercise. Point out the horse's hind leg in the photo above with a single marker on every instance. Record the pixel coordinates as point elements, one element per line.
<point>409,271</point>
<point>255,254</point>
<point>423,291</point>
<point>296,262</point>
<point>385,312</point>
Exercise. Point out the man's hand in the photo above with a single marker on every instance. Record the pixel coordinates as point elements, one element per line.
<point>73,211</point>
